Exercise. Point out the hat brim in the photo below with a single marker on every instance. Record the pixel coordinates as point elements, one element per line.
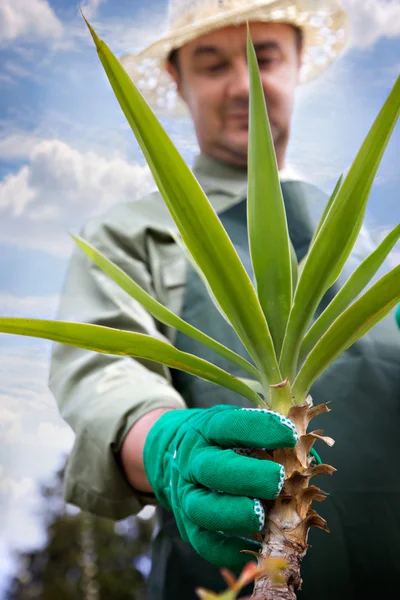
<point>325,35</point>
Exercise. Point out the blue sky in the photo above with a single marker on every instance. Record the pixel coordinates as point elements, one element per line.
<point>66,154</point>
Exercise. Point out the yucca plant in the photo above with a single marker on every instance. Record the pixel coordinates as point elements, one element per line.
<point>274,316</point>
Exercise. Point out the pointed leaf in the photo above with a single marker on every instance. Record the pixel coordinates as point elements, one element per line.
<point>179,241</point>
<point>355,322</point>
<point>322,220</point>
<point>253,384</point>
<point>350,290</point>
<point>338,232</point>
<point>155,308</point>
<point>125,343</point>
<point>327,208</point>
<point>268,231</point>
<point>295,267</point>
<point>195,218</point>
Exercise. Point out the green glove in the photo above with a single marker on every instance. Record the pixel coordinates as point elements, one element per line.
<point>196,463</point>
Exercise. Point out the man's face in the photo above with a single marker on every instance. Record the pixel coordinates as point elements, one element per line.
<point>213,80</point>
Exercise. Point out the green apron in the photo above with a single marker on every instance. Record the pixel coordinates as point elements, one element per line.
<point>361,554</point>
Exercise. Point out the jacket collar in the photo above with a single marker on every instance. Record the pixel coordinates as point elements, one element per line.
<point>219,179</point>
<point>226,184</point>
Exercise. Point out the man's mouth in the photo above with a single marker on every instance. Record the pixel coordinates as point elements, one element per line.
<point>239,116</point>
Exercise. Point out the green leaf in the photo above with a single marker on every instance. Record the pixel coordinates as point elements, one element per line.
<point>125,343</point>
<point>322,220</point>
<point>199,225</point>
<point>253,384</point>
<point>350,290</point>
<point>268,231</point>
<point>327,208</point>
<point>295,267</point>
<point>338,232</point>
<point>179,241</point>
<point>155,308</point>
<point>355,322</point>
<point>204,594</point>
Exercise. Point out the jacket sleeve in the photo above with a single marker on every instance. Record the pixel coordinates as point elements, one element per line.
<point>101,396</point>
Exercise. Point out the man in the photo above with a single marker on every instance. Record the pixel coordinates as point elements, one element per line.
<point>144,434</point>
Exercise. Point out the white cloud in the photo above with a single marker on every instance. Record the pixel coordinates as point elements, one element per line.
<point>370,236</point>
<point>28,306</point>
<point>20,505</point>
<point>16,70</point>
<point>15,192</point>
<point>394,258</point>
<point>34,443</point>
<point>47,434</point>
<point>372,19</point>
<point>122,34</point>
<point>29,413</point>
<point>13,433</point>
<point>4,78</point>
<point>6,416</point>
<point>7,568</point>
<point>28,18</point>
<point>15,489</point>
<point>59,189</point>
<point>53,435</point>
<point>91,7</point>
<point>23,381</point>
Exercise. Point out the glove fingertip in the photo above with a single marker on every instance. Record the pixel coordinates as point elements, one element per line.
<point>288,423</point>
<point>287,436</point>
<point>281,480</point>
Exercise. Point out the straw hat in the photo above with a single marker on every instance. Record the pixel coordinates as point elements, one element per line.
<point>323,22</point>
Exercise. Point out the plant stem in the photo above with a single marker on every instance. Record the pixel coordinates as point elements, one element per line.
<point>281,397</point>
<point>290,516</point>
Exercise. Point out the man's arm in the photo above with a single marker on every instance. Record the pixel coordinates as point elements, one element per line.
<point>132,450</point>
<point>102,396</point>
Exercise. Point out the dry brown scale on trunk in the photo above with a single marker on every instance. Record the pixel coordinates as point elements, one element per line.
<point>290,516</point>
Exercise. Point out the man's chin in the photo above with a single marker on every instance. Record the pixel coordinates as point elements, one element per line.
<point>240,149</point>
<point>242,135</point>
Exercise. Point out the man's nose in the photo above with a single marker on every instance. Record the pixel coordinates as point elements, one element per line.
<point>239,84</point>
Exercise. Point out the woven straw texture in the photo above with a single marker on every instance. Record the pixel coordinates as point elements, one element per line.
<point>323,22</point>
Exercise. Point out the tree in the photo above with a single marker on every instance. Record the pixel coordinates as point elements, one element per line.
<point>85,557</point>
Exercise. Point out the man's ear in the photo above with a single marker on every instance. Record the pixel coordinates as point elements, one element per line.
<point>173,72</point>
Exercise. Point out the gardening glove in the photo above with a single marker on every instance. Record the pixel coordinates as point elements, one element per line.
<point>192,465</point>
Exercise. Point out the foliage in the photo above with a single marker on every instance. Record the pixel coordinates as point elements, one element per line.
<point>273,316</point>
<point>272,566</point>
<point>56,570</point>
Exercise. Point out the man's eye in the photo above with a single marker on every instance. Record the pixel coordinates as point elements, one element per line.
<point>221,66</point>
<point>266,61</point>
<point>215,68</point>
